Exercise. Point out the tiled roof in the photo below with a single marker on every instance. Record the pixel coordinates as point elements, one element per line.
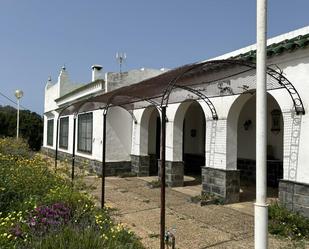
<point>289,45</point>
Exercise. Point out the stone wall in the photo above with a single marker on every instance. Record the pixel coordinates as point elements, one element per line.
<point>140,165</point>
<point>93,166</point>
<point>223,183</point>
<point>174,173</point>
<point>294,196</point>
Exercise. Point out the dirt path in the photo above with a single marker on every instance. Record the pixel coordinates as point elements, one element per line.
<point>213,226</point>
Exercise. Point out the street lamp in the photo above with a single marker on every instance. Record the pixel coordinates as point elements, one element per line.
<point>18,95</point>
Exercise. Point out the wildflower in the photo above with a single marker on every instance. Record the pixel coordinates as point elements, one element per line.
<point>16,231</point>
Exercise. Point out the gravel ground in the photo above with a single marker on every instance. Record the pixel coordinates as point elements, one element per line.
<point>212,226</point>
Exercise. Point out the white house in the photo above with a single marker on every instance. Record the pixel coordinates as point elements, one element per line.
<point>213,138</point>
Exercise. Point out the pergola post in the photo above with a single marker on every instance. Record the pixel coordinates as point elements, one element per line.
<point>57,138</point>
<point>260,207</point>
<point>73,152</point>
<point>162,170</point>
<point>103,159</point>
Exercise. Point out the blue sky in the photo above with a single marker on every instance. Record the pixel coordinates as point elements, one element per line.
<point>39,36</point>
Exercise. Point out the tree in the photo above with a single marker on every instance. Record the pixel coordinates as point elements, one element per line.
<point>31,126</point>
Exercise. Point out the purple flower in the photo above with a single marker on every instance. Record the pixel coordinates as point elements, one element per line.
<point>44,218</point>
<point>16,231</point>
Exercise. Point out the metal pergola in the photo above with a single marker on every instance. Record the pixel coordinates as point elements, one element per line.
<point>198,81</point>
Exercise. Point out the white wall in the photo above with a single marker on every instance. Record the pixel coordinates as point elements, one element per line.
<point>117,80</point>
<point>87,90</point>
<point>194,120</point>
<point>144,131</point>
<point>296,132</point>
<point>136,133</point>
<point>174,130</point>
<point>119,139</point>
<point>246,139</point>
<point>51,93</point>
<point>152,132</point>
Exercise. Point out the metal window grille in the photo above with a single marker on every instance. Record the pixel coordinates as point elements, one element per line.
<point>84,143</point>
<point>50,132</point>
<point>64,133</point>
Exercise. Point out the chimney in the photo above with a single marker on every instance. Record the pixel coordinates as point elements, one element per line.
<point>97,72</point>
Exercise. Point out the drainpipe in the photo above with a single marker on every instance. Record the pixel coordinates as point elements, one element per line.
<point>260,207</point>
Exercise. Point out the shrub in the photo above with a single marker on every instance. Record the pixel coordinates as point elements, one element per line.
<point>42,209</point>
<point>207,199</point>
<point>23,182</point>
<point>285,223</point>
<point>15,148</point>
<point>72,237</point>
<point>154,184</point>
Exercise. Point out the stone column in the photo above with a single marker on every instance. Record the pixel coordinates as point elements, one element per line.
<point>174,173</point>
<point>294,196</point>
<point>140,165</point>
<point>223,183</point>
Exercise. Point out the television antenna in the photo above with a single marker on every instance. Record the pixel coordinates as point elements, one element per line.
<point>120,57</point>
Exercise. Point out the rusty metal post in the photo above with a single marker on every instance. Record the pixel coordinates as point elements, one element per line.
<point>73,152</point>
<point>162,170</point>
<point>103,159</point>
<point>57,139</point>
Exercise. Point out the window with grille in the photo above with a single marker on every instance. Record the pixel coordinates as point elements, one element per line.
<point>85,133</point>
<point>64,133</point>
<point>50,132</point>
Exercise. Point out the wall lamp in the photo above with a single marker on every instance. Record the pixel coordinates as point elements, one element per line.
<point>247,124</point>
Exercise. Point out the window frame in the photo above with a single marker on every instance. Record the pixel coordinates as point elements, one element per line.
<point>50,132</point>
<point>64,134</point>
<point>85,132</point>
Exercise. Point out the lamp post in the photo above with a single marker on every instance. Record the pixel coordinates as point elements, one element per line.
<point>18,95</point>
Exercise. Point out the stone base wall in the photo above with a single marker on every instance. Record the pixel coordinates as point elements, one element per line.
<point>294,196</point>
<point>47,151</point>
<point>247,168</point>
<point>223,183</point>
<point>140,165</point>
<point>174,173</point>
<point>93,166</point>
